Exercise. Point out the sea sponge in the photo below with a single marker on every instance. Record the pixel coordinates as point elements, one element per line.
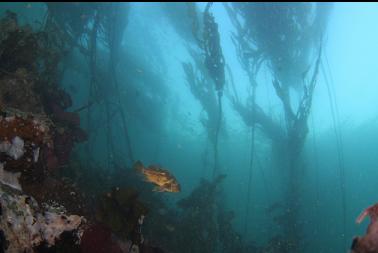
<point>26,225</point>
<point>22,136</point>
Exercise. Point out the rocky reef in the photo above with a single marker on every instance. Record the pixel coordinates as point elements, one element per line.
<point>26,226</point>
<point>33,123</point>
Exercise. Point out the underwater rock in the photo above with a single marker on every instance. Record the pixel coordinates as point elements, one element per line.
<point>68,242</point>
<point>64,141</point>
<point>32,145</point>
<point>15,149</point>
<point>19,62</point>
<point>29,83</point>
<point>56,101</point>
<point>3,242</point>
<point>22,136</point>
<point>10,179</point>
<point>50,158</point>
<point>68,117</point>
<point>61,191</point>
<point>67,131</point>
<point>18,91</point>
<point>26,225</point>
<point>369,242</point>
<point>19,45</point>
<point>54,224</point>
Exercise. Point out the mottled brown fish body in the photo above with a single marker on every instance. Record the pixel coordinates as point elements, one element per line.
<point>164,181</point>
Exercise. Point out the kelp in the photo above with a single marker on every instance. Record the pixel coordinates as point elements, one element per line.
<point>292,52</point>
<point>297,30</point>
<point>121,211</point>
<point>86,27</point>
<point>209,76</point>
<point>204,222</point>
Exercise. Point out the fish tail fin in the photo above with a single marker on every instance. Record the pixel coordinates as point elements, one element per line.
<point>138,166</point>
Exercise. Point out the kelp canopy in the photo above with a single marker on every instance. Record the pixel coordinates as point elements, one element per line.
<point>283,34</point>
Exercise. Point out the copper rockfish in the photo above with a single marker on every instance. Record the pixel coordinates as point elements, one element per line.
<point>164,181</point>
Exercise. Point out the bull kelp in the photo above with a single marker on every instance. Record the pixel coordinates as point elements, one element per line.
<point>188,127</point>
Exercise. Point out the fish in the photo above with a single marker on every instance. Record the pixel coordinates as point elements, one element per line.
<point>369,242</point>
<point>161,178</point>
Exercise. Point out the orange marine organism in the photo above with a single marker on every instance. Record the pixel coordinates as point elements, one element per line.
<point>369,242</point>
<point>164,181</point>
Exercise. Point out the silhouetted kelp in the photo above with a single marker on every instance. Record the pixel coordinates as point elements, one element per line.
<point>207,79</point>
<point>205,225</point>
<point>114,203</point>
<point>290,51</point>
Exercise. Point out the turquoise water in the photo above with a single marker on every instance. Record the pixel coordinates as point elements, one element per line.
<point>300,165</point>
